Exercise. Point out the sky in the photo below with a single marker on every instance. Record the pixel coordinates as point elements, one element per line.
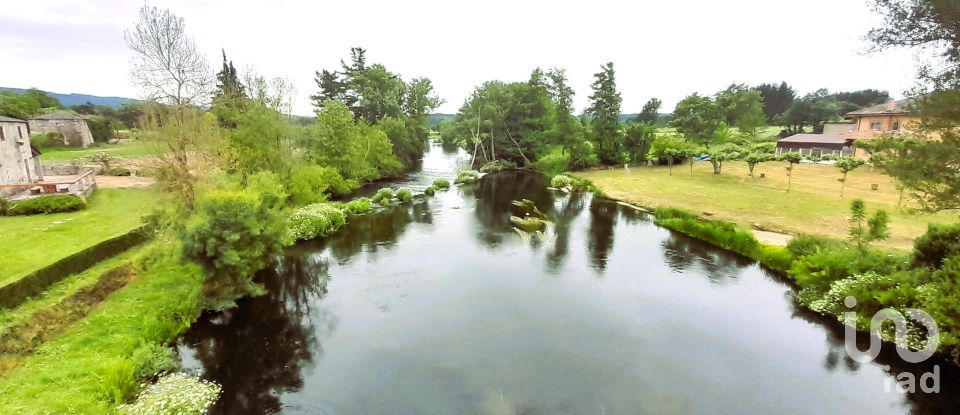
<point>664,49</point>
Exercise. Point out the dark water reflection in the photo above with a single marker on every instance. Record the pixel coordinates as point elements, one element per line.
<point>440,308</point>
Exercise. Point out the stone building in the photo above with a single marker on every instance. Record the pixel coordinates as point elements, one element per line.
<point>73,127</point>
<point>19,162</point>
<point>887,119</point>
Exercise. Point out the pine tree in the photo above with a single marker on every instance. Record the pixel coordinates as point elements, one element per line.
<point>229,86</point>
<point>605,109</point>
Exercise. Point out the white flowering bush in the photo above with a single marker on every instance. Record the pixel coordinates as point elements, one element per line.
<point>175,394</point>
<point>316,220</point>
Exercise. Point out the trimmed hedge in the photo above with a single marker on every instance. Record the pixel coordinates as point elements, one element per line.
<point>15,293</point>
<point>48,204</point>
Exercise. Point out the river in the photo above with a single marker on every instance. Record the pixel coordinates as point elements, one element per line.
<point>440,307</point>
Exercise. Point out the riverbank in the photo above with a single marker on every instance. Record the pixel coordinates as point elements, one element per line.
<point>813,205</point>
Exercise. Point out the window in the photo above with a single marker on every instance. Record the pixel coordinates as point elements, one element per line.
<point>20,131</point>
<point>2,138</point>
<point>875,126</point>
<point>895,126</point>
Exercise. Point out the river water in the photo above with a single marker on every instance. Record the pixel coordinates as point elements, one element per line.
<point>440,307</point>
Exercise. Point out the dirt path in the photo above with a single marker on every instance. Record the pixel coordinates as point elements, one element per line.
<point>123,182</point>
<point>772,238</point>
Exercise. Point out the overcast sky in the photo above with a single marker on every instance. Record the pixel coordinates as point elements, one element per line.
<point>666,49</point>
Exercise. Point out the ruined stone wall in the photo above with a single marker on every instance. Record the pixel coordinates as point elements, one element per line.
<point>75,132</point>
<point>16,160</point>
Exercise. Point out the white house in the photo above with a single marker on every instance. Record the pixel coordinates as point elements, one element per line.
<point>19,162</point>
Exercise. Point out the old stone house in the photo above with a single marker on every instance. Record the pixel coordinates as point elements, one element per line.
<point>73,127</point>
<point>19,161</point>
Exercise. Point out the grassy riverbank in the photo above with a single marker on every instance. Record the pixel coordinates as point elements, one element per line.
<point>812,206</point>
<point>101,360</point>
<point>33,242</point>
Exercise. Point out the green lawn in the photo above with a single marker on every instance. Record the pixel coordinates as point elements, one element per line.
<point>32,242</point>
<point>125,149</point>
<point>813,205</point>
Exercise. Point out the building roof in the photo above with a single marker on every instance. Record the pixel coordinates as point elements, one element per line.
<point>59,115</point>
<point>815,139</point>
<point>10,119</point>
<point>892,107</point>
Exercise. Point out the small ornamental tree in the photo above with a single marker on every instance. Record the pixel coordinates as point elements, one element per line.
<point>792,159</point>
<point>847,165</point>
<point>876,229</point>
<point>691,152</point>
<point>724,152</point>
<point>753,159</point>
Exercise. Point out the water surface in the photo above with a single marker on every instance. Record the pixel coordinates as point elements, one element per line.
<point>440,307</point>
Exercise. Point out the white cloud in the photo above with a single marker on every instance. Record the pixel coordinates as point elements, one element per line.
<point>666,49</point>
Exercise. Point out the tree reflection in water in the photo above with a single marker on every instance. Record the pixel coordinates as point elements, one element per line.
<point>571,207</point>
<point>603,218</point>
<point>258,350</point>
<point>682,253</point>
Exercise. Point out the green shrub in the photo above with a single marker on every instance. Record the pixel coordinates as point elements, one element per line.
<point>404,194</point>
<point>117,381</point>
<point>48,140</point>
<point>467,177</point>
<point>935,246</point>
<point>4,206</point>
<point>384,196</point>
<point>117,171</point>
<point>48,204</point>
<point>529,224</point>
<point>441,184</point>
<point>430,190</point>
<point>562,181</point>
<point>268,185</point>
<point>358,205</point>
<point>152,359</point>
<point>310,184</point>
<point>232,235</point>
<point>498,165</point>
<point>315,221</point>
<point>175,394</point>
<point>723,234</point>
<point>803,245</point>
<point>555,161</point>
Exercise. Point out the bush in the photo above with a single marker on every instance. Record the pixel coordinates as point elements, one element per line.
<point>48,204</point>
<point>562,181</point>
<point>404,194</point>
<point>48,140</point>
<point>441,184</point>
<point>939,243</point>
<point>430,190</point>
<point>498,165</point>
<point>4,206</point>
<point>316,220</point>
<point>116,171</point>
<point>555,161</point>
<point>309,184</point>
<point>152,359</point>
<point>358,205</point>
<point>384,196</point>
<point>175,394</point>
<point>269,187</point>
<point>803,245</point>
<point>232,235</point>
<point>467,177</point>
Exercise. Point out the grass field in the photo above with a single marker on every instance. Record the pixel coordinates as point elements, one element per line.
<point>32,242</point>
<point>124,149</point>
<point>812,206</point>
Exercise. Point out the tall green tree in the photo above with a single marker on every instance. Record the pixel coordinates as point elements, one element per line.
<point>605,110</point>
<point>812,110</point>
<point>776,99</point>
<point>567,130</point>
<point>742,107</point>
<point>928,167</point>
<point>650,113</point>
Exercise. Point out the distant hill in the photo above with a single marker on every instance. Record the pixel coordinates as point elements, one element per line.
<point>435,119</point>
<point>69,100</point>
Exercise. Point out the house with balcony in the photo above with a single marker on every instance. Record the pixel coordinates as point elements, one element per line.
<point>892,117</point>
